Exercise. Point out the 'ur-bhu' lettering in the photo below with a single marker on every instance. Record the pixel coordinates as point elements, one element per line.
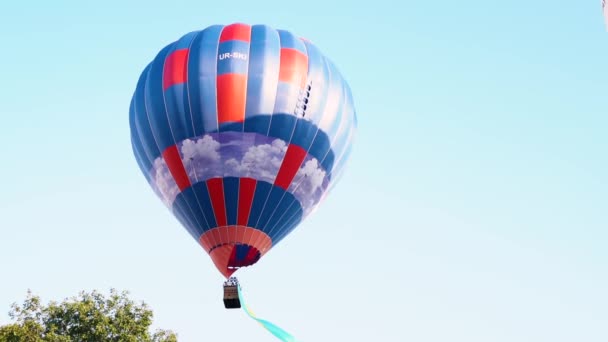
<point>236,55</point>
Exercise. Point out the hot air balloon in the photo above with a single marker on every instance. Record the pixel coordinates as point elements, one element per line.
<point>240,130</point>
<point>605,10</point>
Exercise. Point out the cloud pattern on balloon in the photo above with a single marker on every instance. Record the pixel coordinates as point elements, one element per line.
<point>238,154</point>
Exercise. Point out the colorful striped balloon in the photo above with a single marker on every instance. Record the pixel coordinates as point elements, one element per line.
<point>241,130</point>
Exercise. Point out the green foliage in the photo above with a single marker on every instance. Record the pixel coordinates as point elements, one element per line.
<point>86,317</point>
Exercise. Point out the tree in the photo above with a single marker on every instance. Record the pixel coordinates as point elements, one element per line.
<point>86,317</point>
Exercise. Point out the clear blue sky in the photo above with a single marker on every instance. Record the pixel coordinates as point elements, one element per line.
<point>474,207</point>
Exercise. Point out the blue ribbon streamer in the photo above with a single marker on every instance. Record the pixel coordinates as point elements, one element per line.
<point>275,330</point>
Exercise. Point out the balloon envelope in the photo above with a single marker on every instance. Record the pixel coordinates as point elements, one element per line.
<point>240,130</point>
<point>605,10</point>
